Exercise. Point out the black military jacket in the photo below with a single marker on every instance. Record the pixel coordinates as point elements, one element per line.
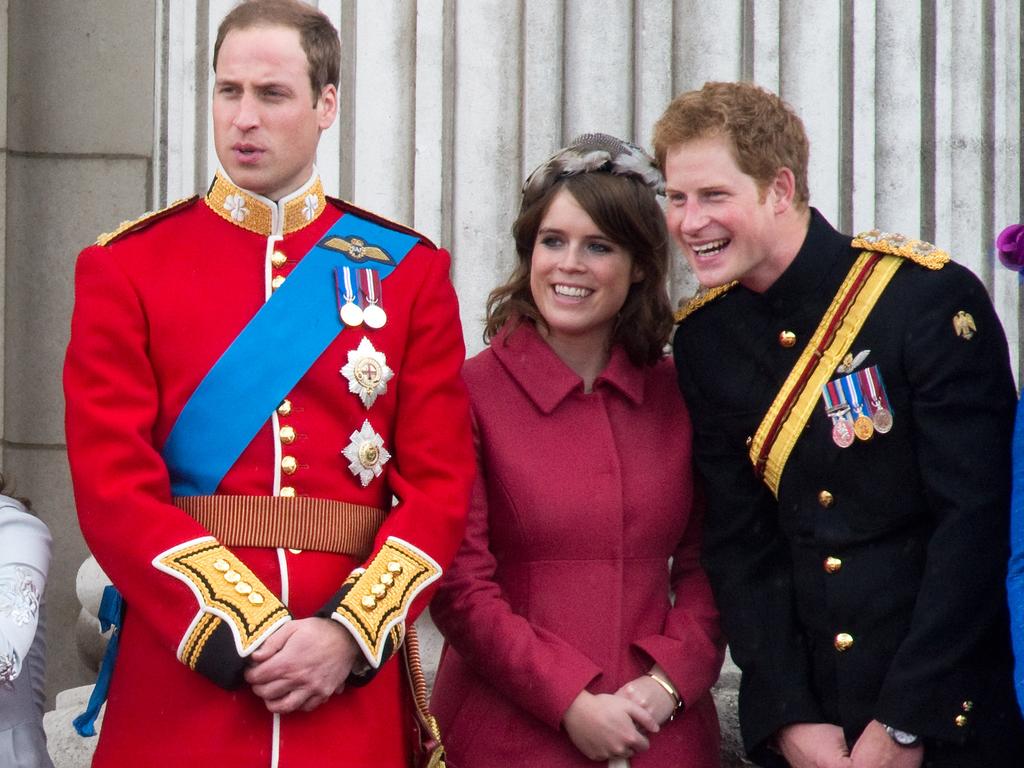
<point>899,542</point>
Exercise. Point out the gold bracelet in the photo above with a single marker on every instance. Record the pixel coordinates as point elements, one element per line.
<point>670,690</point>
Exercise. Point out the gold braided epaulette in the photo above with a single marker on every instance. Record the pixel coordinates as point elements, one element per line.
<point>702,298</point>
<point>918,251</point>
<point>143,220</point>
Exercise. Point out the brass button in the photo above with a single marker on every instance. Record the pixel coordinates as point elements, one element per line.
<point>843,642</point>
<point>826,499</point>
<point>289,465</point>
<point>787,339</point>
<point>967,706</point>
<point>394,567</point>
<point>232,577</point>
<point>369,602</point>
<point>287,490</point>
<point>256,598</point>
<point>960,721</point>
<point>387,579</point>
<point>833,564</point>
<point>285,408</point>
<point>278,259</point>
<point>378,590</point>
<point>242,588</point>
<point>287,435</point>
<point>295,551</point>
<point>277,282</point>
<point>221,565</point>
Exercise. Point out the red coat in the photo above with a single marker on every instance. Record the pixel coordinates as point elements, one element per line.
<point>563,581</point>
<point>154,309</point>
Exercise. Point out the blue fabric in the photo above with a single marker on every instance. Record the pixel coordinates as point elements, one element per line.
<point>111,615</point>
<point>241,391</point>
<point>1015,575</point>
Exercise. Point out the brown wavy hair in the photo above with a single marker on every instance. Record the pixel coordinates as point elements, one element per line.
<point>317,35</point>
<point>764,131</point>
<point>627,212</point>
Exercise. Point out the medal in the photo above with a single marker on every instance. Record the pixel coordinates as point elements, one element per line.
<point>880,415</point>
<point>348,310</point>
<point>367,372</point>
<point>837,410</point>
<point>863,427</point>
<point>842,432</point>
<point>374,314</point>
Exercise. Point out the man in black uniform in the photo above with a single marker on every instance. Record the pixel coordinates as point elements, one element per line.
<point>853,405</point>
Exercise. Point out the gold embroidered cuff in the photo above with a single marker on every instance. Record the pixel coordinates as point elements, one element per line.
<point>226,589</point>
<point>380,595</point>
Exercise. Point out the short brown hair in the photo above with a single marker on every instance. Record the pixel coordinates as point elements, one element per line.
<point>627,212</point>
<point>764,131</point>
<point>317,35</point>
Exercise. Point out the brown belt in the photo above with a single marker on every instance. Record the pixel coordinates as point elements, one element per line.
<point>292,522</point>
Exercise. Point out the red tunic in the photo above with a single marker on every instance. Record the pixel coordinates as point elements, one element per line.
<point>154,309</point>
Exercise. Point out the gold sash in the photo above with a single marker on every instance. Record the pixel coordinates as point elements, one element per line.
<point>784,422</point>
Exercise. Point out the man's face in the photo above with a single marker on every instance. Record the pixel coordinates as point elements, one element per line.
<point>265,124</point>
<point>724,224</point>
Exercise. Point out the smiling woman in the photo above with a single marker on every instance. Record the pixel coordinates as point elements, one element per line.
<point>548,653</point>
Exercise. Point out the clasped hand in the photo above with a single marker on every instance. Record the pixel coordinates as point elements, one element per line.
<point>822,745</point>
<point>302,664</point>
<point>605,725</point>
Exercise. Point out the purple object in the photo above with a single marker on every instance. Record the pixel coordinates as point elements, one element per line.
<point>1010,245</point>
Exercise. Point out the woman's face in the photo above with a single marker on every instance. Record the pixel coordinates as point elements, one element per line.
<point>578,277</point>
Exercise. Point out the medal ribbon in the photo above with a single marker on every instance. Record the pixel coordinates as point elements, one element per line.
<point>240,392</point>
<point>783,424</point>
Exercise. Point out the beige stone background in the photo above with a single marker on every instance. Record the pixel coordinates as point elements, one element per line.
<point>913,108</point>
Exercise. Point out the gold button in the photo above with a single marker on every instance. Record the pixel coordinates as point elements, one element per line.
<point>378,590</point>
<point>289,465</point>
<point>256,598</point>
<point>833,564</point>
<point>277,282</point>
<point>285,408</point>
<point>787,339</point>
<point>387,579</point>
<point>278,259</point>
<point>826,499</point>
<point>394,567</point>
<point>287,490</point>
<point>287,435</point>
<point>222,565</point>
<point>369,602</point>
<point>242,588</point>
<point>232,577</point>
<point>967,706</point>
<point>295,551</point>
<point>960,721</point>
<point>843,642</point>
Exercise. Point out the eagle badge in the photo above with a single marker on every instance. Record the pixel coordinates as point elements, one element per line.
<point>963,324</point>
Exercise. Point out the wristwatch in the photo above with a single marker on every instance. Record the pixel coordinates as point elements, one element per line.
<point>902,738</point>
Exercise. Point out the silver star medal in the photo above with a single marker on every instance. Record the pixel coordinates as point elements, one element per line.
<point>367,372</point>
<point>366,454</point>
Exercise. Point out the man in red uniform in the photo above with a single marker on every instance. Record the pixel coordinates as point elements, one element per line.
<point>268,436</point>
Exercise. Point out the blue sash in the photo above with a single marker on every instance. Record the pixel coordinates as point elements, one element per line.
<point>240,392</point>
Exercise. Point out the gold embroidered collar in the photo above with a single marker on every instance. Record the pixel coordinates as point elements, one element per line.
<point>262,215</point>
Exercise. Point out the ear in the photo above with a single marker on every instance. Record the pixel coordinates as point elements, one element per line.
<point>636,275</point>
<point>782,190</point>
<point>327,107</point>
